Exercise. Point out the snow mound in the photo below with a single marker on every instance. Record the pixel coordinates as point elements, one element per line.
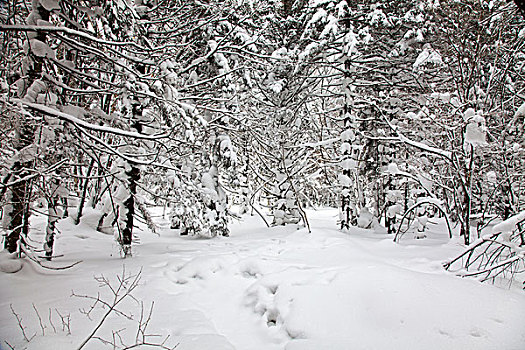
<point>354,305</point>
<point>10,266</point>
<point>9,263</point>
<point>510,224</point>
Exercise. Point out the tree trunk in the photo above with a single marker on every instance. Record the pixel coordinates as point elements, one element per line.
<point>347,137</point>
<point>84,192</point>
<point>52,218</point>
<point>287,6</point>
<point>16,210</point>
<point>17,213</point>
<point>129,210</point>
<point>468,197</point>
<point>390,217</point>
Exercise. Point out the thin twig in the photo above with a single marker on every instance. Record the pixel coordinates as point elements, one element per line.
<point>51,321</point>
<point>66,321</point>
<point>20,325</point>
<point>39,320</point>
<point>126,285</point>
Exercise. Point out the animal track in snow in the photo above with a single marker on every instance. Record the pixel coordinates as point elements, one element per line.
<point>477,332</point>
<point>197,269</point>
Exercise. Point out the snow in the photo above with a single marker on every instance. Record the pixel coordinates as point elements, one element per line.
<point>393,210</point>
<point>469,113</point>
<point>27,154</point>
<point>280,53</point>
<point>343,179</point>
<point>318,143</point>
<point>510,224</point>
<point>429,56</point>
<point>32,19</point>
<point>426,148</point>
<point>331,27</point>
<point>365,218</point>
<point>348,135</point>
<point>351,42</point>
<point>208,182</point>
<point>348,164</point>
<point>377,17</point>
<point>492,177</point>
<point>50,5</point>
<point>520,112</point>
<point>393,169</point>
<point>9,263</point>
<point>266,288</point>
<point>475,132</point>
<point>41,49</point>
<point>308,50</point>
<point>277,86</point>
<point>82,123</point>
<point>318,16</point>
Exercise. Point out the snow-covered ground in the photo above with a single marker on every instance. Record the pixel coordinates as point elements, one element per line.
<point>267,289</point>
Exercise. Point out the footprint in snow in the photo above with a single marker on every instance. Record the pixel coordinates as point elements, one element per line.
<point>272,317</point>
<point>197,269</point>
<point>250,269</point>
<point>477,333</point>
<point>445,333</point>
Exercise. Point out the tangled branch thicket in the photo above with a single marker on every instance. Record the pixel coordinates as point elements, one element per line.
<point>499,256</point>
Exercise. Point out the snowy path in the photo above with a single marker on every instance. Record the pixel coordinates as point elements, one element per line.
<point>278,289</point>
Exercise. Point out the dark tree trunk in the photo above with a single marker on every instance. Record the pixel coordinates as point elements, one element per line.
<point>129,209</point>
<point>17,198</point>
<point>100,224</point>
<point>287,6</point>
<point>20,193</point>
<point>65,205</point>
<point>347,216</point>
<point>52,219</point>
<point>4,187</point>
<point>84,192</point>
<point>390,220</point>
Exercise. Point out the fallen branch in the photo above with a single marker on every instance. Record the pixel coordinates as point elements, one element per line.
<point>29,253</point>
<point>498,255</point>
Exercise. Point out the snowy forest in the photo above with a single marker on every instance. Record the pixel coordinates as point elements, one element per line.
<point>275,174</point>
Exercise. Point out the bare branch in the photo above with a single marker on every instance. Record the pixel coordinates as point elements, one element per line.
<point>42,327</point>
<point>20,325</point>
